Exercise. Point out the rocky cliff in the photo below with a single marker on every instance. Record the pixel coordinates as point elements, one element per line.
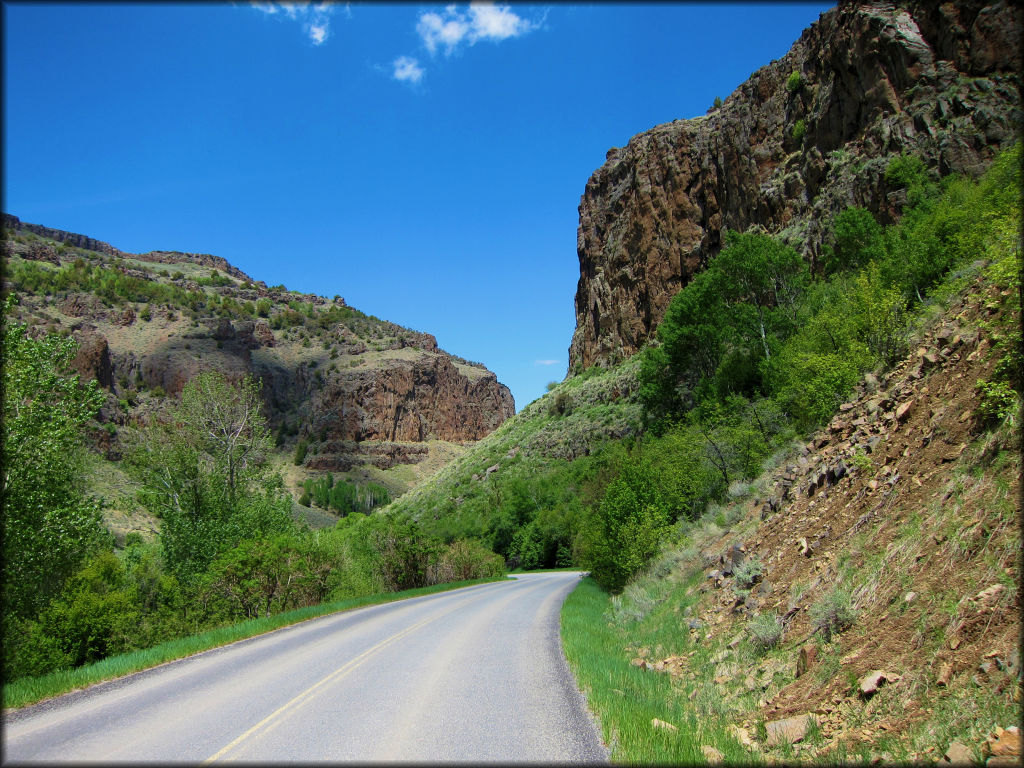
<point>803,138</point>
<point>357,389</point>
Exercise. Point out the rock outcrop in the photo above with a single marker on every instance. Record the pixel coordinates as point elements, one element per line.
<point>92,361</point>
<point>803,138</point>
<point>410,401</point>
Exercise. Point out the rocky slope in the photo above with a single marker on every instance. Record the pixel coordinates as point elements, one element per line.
<point>359,390</point>
<point>888,550</point>
<point>803,138</point>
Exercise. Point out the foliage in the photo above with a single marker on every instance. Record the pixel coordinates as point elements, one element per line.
<point>202,467</point>
<point>998,402</point>
<point>344,497</point>
<point>858,240</point>
<point>49,523</point>
<point>799,129</point>
<point>833,612</point>
<point>465,559</point>
<point>906,172</point>
<point>722,325</point>
<point>631,521</point>
<point>794,82</point>
<point>765,631</point>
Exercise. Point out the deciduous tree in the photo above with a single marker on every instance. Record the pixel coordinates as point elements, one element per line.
<point>50,523</point>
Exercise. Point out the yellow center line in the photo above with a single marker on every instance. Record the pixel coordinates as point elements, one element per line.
<point>335,675</point>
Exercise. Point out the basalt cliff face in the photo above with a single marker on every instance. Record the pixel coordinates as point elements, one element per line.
<point>359,390</point>
<point>786,152</point>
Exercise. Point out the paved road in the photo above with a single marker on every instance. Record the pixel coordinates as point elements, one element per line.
<point>474,674</point>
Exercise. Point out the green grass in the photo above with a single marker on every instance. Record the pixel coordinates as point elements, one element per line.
<point>628,698</point>
<point>31,690</point>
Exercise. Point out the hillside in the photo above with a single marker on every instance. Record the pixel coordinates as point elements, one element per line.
<point>364,398</point>
<point>888,541</point>
<point>803,138</point>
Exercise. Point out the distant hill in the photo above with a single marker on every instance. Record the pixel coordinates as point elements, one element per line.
<point>362,395</point>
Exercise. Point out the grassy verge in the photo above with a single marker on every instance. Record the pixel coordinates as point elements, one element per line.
<point>628,699</point>
<point>31,690</point>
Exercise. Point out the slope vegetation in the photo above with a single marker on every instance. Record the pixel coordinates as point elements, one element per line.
<point>367,400</point>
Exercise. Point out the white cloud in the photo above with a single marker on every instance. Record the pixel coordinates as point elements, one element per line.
<point>492,22</point>
<point>318,32</point>
<point>545,362</point>
<point>407,69</point>
<point>315,18</point>
<point>482,21</point>
<point>436,30</point>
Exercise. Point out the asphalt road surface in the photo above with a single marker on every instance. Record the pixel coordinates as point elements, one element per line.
<point>475,674</point>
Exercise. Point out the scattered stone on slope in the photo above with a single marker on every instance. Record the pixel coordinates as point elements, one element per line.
<point>712,755</point>
<point>662,725</point>
<point>1004,743</point>
<point>958,754</point>
<point>790,730</point>
<point>871,682</point>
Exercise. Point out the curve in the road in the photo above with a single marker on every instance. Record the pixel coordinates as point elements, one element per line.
<point>472,674</point>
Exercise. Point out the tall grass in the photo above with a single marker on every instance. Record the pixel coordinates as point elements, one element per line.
<point>628,698</point>
<point>30,690</point>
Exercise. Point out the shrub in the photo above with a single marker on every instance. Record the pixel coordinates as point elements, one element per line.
<point>799,129</point>
<point>765,632</point>
<point>906,171</point>
<point>858,240</point>
<point>748,573</point>
<point>300,452</point>
<point>465,559</point>
<point>833,613</point>
<point>794,82</point>
<point>630,523</point>
<point>998,401</point>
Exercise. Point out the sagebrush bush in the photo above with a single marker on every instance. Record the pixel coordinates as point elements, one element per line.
<point>833,612</point>
<point>748,573</point>
<point>765,632</point>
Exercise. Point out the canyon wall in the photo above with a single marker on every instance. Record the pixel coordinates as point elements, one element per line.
<point>803,138</point>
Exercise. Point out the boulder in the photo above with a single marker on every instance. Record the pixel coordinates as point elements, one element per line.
<point>871,682</point>
<point>805,659</point>
<point>958,754</point>
<point>791,730</point>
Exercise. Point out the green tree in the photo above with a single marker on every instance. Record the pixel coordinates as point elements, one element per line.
<point>49,522</point>
<point>723,324</point>
<point>858,240</point>
<point>628,526</point>
<point>202,464</point>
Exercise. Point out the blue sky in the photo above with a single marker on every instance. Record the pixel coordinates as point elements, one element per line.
<point>425,162</point>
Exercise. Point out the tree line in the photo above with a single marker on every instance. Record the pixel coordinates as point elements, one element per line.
<point>228,548</point>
